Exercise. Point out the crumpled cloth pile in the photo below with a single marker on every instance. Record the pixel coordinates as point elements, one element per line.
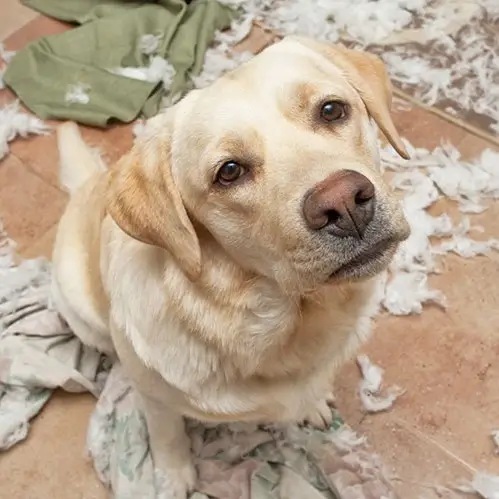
<point>39,353</point>
<point>79,75</point>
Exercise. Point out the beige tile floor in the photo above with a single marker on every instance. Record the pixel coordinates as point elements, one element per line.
<point>14,16</point>
<point>447,361</point>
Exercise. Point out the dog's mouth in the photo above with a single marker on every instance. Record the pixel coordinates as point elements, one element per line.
<point>369,262</point>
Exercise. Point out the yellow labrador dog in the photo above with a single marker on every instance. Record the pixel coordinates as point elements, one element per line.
<point>230,259</point>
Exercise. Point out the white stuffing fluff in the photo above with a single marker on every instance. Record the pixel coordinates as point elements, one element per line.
<point>464,246</point>
<point>468,183</point>
<point>495,440</point>
<point>14,123</point>
<point>239,29</point>
<point>406,293</point>
<point>77,94</point>
<point>217,61</point>
<point>424,179</point>
<point>5,56</point>
<point>149,44</point>
<point>159,69</point>
<point>346,439</point>
<point>370,387</point>
<point>486,485</point>
<point>220,58</point>
<point>2,83</point>
<point>138,128</point>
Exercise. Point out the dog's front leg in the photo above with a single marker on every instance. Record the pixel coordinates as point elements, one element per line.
<point>170,448</point>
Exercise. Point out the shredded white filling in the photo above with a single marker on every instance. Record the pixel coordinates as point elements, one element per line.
<point>370,387</point>
<point>159,70</point>
<point>5,56</point>
<point>149,43</point>
<point>427,177</point>
<point>15,123</point>
<point>77,94</point>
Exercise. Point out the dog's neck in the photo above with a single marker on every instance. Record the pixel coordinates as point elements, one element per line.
<point>266,321</point>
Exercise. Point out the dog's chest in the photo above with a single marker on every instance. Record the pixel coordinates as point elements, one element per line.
<point>282,338</point>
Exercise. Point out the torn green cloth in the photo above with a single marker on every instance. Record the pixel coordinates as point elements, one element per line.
<point>109,37</point>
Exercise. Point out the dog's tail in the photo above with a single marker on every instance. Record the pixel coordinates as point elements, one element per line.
<point>78,162</point>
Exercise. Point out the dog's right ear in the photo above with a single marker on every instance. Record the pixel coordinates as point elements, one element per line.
<point>144,201</point>
<point>367,74</point>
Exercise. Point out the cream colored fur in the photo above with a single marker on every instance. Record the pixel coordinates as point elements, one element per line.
<point>219,301</point>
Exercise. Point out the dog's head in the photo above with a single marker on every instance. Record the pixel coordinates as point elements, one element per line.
<point>277,161</point>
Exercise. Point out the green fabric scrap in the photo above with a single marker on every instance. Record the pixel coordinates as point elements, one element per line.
<point>42,73</point>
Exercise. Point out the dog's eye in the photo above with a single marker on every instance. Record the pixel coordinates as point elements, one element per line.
<point>230,172</point>
<point>333,111</point>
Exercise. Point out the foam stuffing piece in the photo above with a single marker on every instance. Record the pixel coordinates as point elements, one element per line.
<point>16,123</point>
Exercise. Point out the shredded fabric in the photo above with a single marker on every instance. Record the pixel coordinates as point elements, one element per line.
<point>14,123</point>
<point>77,94</point>
<point>370,387</point>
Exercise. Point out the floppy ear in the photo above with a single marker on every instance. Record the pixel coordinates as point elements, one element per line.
<point>144,201</point>
<point>367,74</point>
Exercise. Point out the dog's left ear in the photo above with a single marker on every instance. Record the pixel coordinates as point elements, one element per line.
<point>367,74</point>
<point>145,202</point>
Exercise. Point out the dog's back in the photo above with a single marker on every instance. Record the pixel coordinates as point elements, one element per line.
<point>77,288</point>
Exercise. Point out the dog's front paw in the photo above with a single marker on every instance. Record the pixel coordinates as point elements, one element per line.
<point>321,415</point>
<point>175,482</point>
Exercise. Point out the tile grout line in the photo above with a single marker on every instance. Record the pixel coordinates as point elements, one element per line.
<point>459,123</point>
<point>30,168</point>
<point>20,250</point>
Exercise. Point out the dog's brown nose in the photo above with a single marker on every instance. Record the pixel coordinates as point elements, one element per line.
<point>343,203</point>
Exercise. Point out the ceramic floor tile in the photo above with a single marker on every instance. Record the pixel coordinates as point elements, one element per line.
<point>52,462</point>
<point>472,147</point>
<point>41,156</point>
<point>111,143</point>
<point>38,27</point>
<point>256,41</point>
<point>42,246</point>
<point>425,129</point>
<point>14,16</point>
<point>420,467</point>
<point>28,205</point>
